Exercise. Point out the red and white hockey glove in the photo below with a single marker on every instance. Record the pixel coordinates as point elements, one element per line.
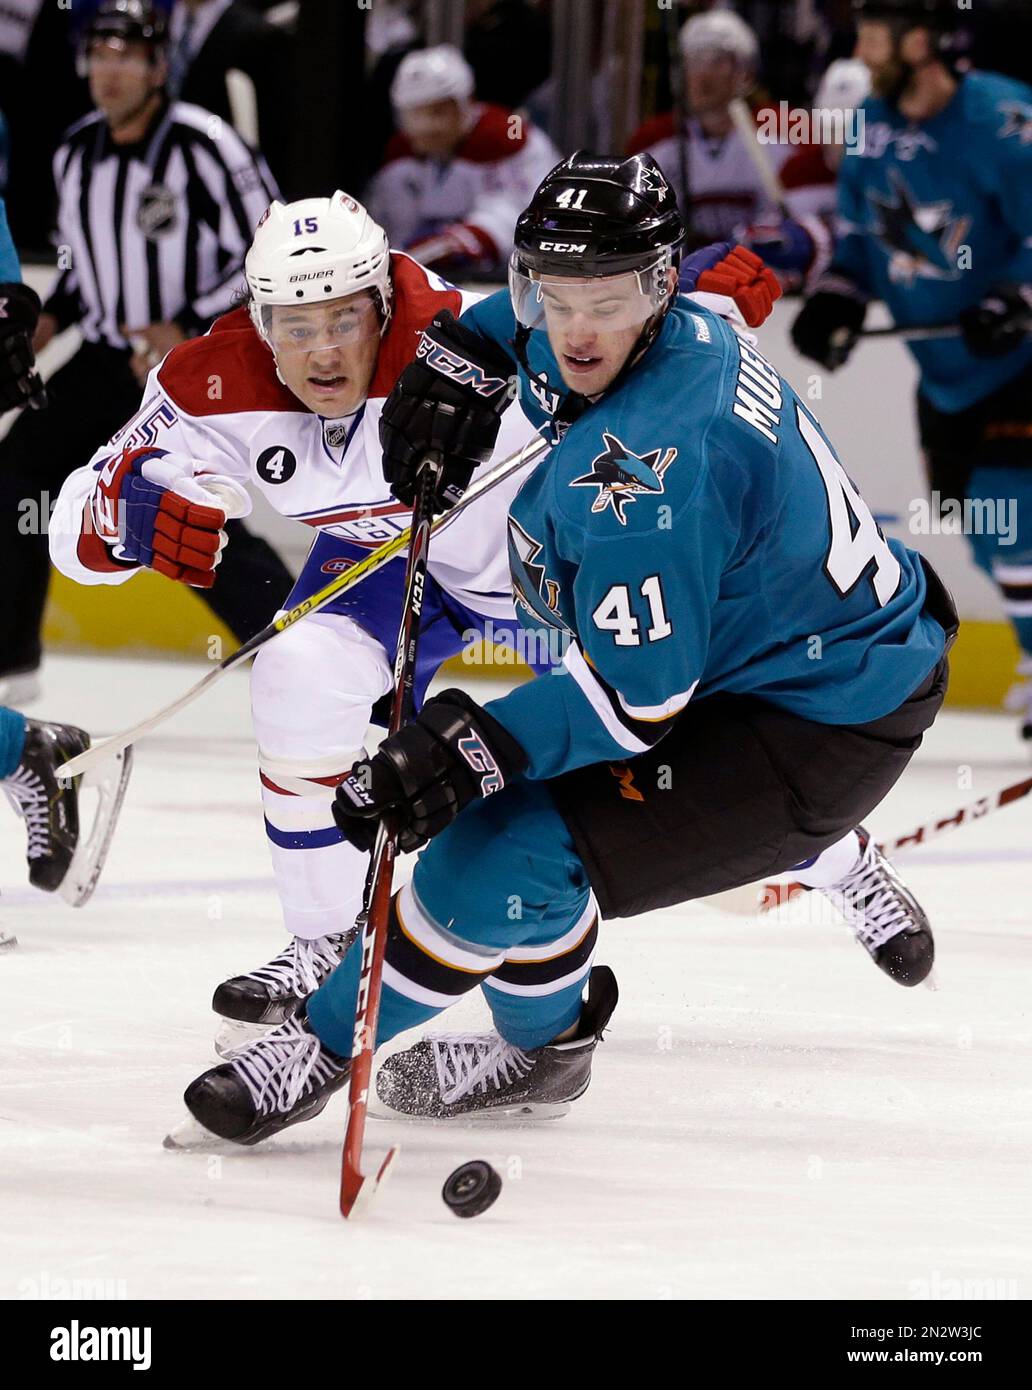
<point>151,509</point>
<point>737,274</point>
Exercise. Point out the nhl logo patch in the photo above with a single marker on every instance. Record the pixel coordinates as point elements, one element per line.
<point>336,432</point>
<point>157,213</point>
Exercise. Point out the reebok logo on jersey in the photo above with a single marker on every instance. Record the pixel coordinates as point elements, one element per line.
<point>622,476</point>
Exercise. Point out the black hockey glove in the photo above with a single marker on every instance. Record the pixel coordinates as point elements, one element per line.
<point>452,753</point>
<point>19,314</point>
<point>1000,322</point>
<point>450,398</point>
<point>829,323</point>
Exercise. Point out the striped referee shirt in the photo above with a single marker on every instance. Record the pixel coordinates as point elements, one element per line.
<point>157,230</point>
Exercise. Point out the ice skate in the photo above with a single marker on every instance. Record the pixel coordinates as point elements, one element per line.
<point>250,1004</point>
<point>63,853</point>
<point>276,1081</point>
<point>885,916</point>
<point>453,1074</point>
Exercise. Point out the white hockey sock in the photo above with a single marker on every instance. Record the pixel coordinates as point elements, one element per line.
<point>832,864</point>
<point>319,875</point>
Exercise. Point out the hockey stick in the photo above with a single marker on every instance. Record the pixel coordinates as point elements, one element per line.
<point>677,93</point>
<point>742,117</point>
<point>354,1186</point>
<point>376,561</point>
<point>754,898</point>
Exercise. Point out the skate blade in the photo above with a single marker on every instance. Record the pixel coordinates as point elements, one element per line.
<point>110,781</point>
<point>232,1034</point>
<point>8,941</point>
<point>931,981</point>
<point>507,1114</point>
<point>188,1137</point>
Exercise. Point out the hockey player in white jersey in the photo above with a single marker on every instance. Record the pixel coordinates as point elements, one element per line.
<point>724,192</point>
<point>458,172</point>
<point>284,399</point>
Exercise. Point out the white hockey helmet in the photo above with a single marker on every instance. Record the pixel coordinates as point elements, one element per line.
<point>845,84</point>
<point>315,250</point>
<point>720,31</point>
<point>432,74</point>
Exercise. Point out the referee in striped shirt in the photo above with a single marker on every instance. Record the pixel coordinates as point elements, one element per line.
<point>157,204</point>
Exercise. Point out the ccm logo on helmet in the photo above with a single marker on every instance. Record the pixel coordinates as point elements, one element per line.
<point>563,246</point>
<point>465,373</point>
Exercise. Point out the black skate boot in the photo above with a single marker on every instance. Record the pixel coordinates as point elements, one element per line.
<point>251,1003</point>
<point>465,1073</point>
<point>276,1081</point>
<point>885,916</point>
<point>49,808</point>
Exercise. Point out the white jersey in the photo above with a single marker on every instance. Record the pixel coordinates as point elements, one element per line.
<point>218,401</point>
<point>726,192</point>
<point>477,194</point>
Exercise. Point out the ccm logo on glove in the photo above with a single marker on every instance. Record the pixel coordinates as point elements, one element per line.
<point>458,369</point>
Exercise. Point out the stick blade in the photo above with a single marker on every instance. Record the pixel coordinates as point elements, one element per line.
<point>357,1192</point>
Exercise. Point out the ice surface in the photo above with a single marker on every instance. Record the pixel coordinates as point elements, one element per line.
<point>770,1116</point>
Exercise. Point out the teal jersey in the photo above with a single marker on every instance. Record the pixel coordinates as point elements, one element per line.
<point>933,215</point>
<point>693,532</point>
<point>10,270</point>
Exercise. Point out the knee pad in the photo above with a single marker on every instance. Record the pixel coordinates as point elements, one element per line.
<point>312,690</point>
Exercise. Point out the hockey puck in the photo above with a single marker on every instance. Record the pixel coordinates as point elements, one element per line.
<point>471,1189</point>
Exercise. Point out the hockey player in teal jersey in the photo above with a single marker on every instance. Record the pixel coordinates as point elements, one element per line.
<point>58,855</point>
<point>747,668</point>
<point>936,212</point>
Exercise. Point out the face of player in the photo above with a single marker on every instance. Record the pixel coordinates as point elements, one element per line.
<point>326,353</point>
<point>711,81</point>
<point>434,129</point>
<point>889,59</point>
<point>593,325</point>
<point>122,78</point>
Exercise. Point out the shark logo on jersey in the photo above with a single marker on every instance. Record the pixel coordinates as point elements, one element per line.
<point>921,239</point>
<point>1019,121</point>
<point>530,586</point>
<point>622,476</point>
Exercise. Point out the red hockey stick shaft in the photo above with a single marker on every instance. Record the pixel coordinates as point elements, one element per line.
<point>381,872</point>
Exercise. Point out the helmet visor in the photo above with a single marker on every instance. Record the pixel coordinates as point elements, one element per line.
<point>604,303</point>
<point>290,329</point>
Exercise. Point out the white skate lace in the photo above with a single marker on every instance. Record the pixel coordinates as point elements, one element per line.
<point>279,1068</point>
<point>28,795</point>
<point>872,900</point>
<point>301,966</point>
<point>471,1062</point>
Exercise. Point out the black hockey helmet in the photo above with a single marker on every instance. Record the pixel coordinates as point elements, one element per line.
<point>950,26</point>
<point>132,21</point>
<point>595,215</point>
